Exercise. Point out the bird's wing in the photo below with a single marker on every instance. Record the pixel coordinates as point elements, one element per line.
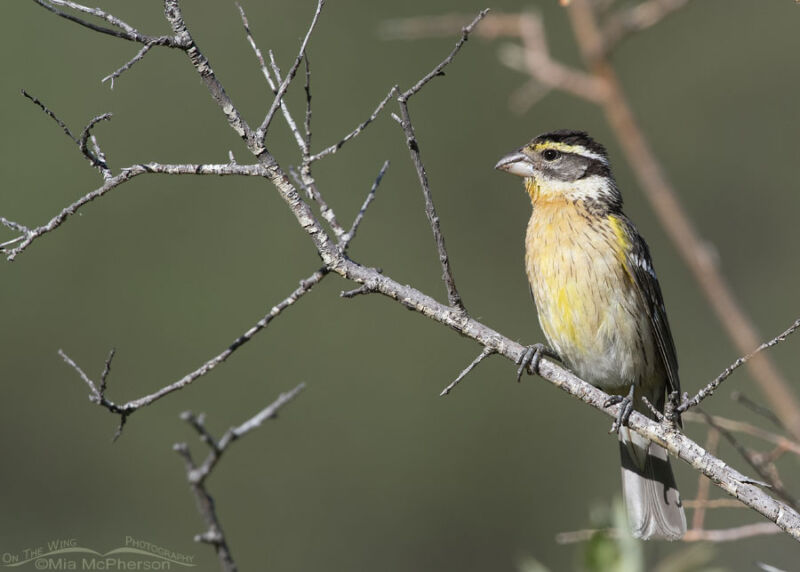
<point>641,269</point>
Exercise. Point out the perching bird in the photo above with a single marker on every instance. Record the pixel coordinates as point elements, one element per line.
<point>600,305</point>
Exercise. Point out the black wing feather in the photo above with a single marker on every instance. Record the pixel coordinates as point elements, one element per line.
<point>641,267</point>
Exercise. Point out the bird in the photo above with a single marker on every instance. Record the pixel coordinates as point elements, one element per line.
<point>600,307</point>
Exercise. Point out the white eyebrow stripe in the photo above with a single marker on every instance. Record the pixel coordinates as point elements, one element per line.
<point>575,149</point>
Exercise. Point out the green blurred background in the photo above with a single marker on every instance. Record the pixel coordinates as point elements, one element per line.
<point>368,469</point>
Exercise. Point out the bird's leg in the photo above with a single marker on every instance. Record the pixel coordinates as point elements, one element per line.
<point>624,411</point>
<point>531,358</point>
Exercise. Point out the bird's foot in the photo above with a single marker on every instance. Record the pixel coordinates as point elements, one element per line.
<point>624,411</point>
<point>531,358</point>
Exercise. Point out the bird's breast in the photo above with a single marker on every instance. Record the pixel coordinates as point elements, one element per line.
<point>587,303</point>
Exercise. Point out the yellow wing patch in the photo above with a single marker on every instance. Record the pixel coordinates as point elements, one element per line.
<point>622,244</point>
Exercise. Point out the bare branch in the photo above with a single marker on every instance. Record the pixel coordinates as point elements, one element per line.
<point>764,468</point>
<point>765,412</point>
<point>722,535</point>
<point>714,384</point>
<point>305,286</point>
<point>128,408</point>
<point>357,131</point>
<point>174,15</point>
<point>363,289</point>
<point>731,534</point>
<point>439,69</point>
<point>350,234</point>
<point>93,389</point>
<point>106,371</point>
<point>483,355</point>
<point>637,18</point>
<point>265,71</point>
<point>95,160</point>
<point>128,173</point>
<point>269,412</point>
<point>305,181</point>
<point>430,210</point>
<point>541,66</point>
<point>307,123</point>
<point>50,114</point>
<point>746,428</point>
<point>129,64</point>
<point>124,31</point>
<point>261,133</point>
<point>196,475</point>
<point>413,146</point>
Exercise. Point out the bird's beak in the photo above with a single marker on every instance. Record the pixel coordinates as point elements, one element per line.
<point>516,163</point>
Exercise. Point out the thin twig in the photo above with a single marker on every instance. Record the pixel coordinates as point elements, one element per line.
<point>439,69</point>
<point>765,469</point>
<point>693,535</point>
<point>714,384</point>
<point>50,114</point>
<point>305,286</point>
<point>265,71</point>
<point>746,428</point>
<point>363,289</point>
<point>95,160</point>
<point>765,412</point>
<point>106,371</point>
<point>129,64</point>
<point>196,475</point>
<point>453,296</point>
<point>350,234</point>
<point>304,180</point>
<point>261,133</point>
<point>97,391</point>
<point>128,173</point>
<point>731,534</point>
<point>483,355</point>
<point>83,144</point>
<point>124,31</point>
<point>357,131</point>
<point>637,18</point>
<point>307,86</point>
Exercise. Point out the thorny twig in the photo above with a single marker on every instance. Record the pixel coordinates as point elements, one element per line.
<point>714,384</point>
<point>262,129</point>
<point>350,234</point>
<point>129,64</point>
<point>483,355</point>
<point>197,474</point>
<point>413,146</point>
<point>124,410</point>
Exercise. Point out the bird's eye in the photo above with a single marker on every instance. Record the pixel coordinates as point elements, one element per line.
<point>550,154</point>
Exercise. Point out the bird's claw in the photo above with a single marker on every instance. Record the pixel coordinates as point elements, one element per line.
<point>624,411</point>
<point>531,358</point>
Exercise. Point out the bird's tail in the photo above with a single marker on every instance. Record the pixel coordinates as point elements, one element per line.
<point>648,485</point>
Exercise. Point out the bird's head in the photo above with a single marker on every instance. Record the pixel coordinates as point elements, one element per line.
<point>566,165</point>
